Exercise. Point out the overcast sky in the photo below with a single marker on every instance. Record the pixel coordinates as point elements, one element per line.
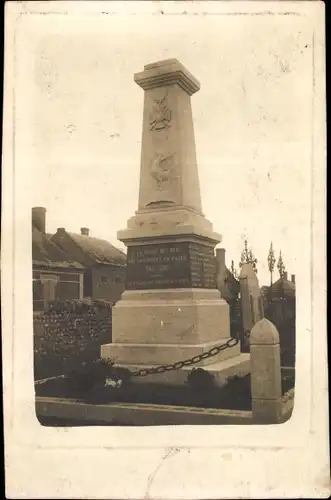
<point>79,132</point>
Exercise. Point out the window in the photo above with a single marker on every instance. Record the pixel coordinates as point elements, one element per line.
<point>88,283</point>
<point>38,295</point>
<point>67,290</point>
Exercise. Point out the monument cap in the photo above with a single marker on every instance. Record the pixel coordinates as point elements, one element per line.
<point>164,62</point>
<point>247,271</point>
<point>167,72</point>
<point>264,332</point>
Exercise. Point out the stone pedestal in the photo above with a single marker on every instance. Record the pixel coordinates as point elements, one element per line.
<point>49,282</point>
<point>162,327</point>
<point>171,309</point>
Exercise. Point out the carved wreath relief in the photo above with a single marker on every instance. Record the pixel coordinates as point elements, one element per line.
<point>160,115</point>
<point>161,170</point>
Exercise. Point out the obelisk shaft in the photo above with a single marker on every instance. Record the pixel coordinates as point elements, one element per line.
<point>169,173</point>
<point>169,191</point>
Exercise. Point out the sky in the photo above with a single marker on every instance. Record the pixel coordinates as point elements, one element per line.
<point>79,121</point>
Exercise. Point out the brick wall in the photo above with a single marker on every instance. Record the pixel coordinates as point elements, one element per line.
<point>69,334</point>
<point>108,282</point>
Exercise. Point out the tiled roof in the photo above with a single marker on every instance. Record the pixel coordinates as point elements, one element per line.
<point>283,286</point>
<point>46,253</point>
<point>101,251</point>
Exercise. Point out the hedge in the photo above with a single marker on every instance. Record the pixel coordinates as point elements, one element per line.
<point>69,334</point>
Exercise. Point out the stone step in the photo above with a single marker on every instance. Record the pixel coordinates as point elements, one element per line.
<point>236,365</point>
<point>159,354</point>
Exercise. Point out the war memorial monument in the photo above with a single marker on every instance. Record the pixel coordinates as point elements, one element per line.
<point>171,309</point>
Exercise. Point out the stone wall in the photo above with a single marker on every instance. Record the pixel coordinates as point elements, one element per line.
<point>67,285</point>
<point>108,282</point>
<point>69,334</point>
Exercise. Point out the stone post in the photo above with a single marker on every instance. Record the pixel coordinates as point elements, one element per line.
<point>265,373</point>
<point>49,283</point>
<point>251,306</point>
<point>81,286</point>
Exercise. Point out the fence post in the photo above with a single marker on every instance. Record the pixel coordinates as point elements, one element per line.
<point>266,387</point>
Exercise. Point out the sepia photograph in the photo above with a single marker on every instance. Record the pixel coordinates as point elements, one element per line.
<point>165,190</point>
<point>167,311</point>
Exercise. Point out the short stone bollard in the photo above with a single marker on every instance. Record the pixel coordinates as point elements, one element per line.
<point>266,387</point>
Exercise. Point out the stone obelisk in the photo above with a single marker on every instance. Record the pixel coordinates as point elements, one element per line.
<point>171,309</point>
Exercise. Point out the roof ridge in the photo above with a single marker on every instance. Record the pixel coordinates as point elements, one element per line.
<point>95,238</point>
<point>45,247</point>
<point>98,249</point>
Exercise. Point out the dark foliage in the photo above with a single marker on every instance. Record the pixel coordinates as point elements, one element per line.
<point>201,390</point>
<point>69,334</point>
<point>201,380</point>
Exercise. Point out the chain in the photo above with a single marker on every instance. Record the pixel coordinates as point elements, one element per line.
<point>232,342</point>
<point>247,334</point>
<point>188,362</point>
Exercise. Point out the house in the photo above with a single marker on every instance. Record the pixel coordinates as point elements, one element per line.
<point>281,310</point>
<point>55,274</point>
<point>104,264</point>
<point>280,300</point>
<point>284,287</point>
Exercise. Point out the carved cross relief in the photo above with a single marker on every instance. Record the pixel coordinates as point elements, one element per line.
<point>160,115</point>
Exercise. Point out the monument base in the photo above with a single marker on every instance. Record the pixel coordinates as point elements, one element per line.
<point>171,221</point>
<point>238,365</point>
<point>154,327</point>
<point>160,354</point>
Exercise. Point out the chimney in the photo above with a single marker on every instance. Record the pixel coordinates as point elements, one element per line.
<point>84,231</point>
<point>220,262</point>
<point>220,267</point>
<point>285,276</point>
<point>293,278</point>
<point>39,218</point>
<point>61,229</point>
<point>220,257</point>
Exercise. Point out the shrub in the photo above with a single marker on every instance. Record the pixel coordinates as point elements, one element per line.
<point>201,380</point>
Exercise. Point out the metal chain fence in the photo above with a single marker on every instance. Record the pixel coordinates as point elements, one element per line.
<point>187,362</point>
<point>232,342</point>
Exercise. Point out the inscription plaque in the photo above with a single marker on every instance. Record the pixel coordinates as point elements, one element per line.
<point>203,266</point>
<point>170,265</point>
<point>164,265</point>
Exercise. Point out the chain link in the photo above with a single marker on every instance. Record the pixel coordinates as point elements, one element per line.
<point>188,362</point>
